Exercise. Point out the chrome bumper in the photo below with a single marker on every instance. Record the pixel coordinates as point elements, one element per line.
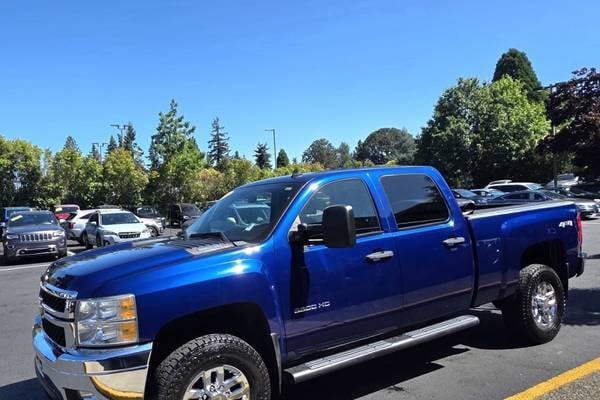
<point>90,374</point>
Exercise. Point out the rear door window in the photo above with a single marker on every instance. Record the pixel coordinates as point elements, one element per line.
<point>415,199</point>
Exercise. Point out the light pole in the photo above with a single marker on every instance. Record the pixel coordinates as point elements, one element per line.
<point>100,146</point>
<point>552,88</point>
<point>274,148</point>
<point>121,128</point>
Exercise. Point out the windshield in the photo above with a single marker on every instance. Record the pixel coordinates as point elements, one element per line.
<point>66,209</point>
<point>190,209</point>
<point>465,193</point>
<point>119,218</point>
<point>147,212</point>
<point>554,195</point>
<point>246,214</point>
<point>16,210</point>
<point>32,219</point>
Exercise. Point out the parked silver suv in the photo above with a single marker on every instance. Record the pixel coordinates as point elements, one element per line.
<point>33,233</point>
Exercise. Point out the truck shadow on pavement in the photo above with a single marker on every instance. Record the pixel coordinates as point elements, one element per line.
<point>583,307</point>
<point>24,390</point>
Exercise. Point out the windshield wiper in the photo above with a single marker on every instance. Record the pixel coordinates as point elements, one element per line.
<point>211,235</point>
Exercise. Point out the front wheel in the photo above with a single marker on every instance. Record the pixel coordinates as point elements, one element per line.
<point>214,367</point>
<point>537,309</point>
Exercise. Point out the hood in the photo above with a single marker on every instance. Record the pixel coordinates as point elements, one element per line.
<point>136,227</point>
<point>33,228</point>
<point>90,270</point>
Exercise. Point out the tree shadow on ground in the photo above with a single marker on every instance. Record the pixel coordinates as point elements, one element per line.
<point>28,389</point>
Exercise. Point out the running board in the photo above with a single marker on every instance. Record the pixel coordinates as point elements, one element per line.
<point>321,366</point>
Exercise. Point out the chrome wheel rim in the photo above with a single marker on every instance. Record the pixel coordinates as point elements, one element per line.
<point>543,305</point>
<point>224,382</point>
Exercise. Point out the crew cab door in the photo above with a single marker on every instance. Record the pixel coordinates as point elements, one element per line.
<point>342,294</point>
<point>433,245</point>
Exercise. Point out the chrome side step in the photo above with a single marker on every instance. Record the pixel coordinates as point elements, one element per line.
<point>321,366</point>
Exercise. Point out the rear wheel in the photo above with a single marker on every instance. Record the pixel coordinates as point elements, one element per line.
<point>86,241</point>
<point>537,308</point>
<point>213,367</point>
<point>154,232</point>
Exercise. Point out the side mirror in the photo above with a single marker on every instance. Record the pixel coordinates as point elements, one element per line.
<point>338,226</point>
<point>468,207</point>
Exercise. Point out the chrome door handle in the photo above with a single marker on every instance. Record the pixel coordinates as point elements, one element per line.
<point>379,256</point>
<point>454,241</point>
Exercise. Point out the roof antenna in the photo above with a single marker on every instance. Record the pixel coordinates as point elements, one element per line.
<point>296,173</point>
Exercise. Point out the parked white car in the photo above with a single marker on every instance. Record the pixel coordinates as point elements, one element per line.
<point>155,228</point>
<point>510,186</point>
<point>76,225</point>
<point>110,226</point>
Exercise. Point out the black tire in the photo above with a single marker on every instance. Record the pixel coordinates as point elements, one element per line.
<point>86,241</point>
<point>176,372</point>
<point>517,311</point>
<point>155,232</point>
<point>99,242</point>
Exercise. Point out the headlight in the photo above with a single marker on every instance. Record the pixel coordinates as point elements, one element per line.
<point>58,233</point>
<point>110,233</point>
<point>11,236</point>
<point>106,321</point>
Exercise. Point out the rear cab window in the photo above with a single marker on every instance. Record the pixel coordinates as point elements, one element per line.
<point>415,200</point>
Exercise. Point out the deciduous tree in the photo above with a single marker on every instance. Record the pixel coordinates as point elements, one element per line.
<point>385,145</point>
<point>321,151</point>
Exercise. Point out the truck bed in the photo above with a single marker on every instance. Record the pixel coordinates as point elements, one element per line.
<point>502,236</point>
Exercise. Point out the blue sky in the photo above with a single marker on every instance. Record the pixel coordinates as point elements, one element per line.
<point>310,69</point>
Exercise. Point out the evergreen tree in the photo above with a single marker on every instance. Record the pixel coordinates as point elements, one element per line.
<point>282,159</point>
<point>515,64</point>
<point>218,145</point>
<point>262,156</point>
<point>344,157</point>
<point>130,144</point>
<point>71,144</point>
<point>95,153</point>
<point>172,135</point>
<point>112,145</point>
<point>236,155</point>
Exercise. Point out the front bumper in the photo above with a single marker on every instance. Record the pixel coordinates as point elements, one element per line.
<point>32,249</point>
<point>88,373</point>
<point>112,239</point>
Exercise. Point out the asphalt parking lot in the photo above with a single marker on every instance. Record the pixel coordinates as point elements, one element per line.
<point>486,362</point>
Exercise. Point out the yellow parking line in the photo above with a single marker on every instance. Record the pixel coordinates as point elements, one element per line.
<point>558,381</point>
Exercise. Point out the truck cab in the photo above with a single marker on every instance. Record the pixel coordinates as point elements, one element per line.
<point>294,277</point>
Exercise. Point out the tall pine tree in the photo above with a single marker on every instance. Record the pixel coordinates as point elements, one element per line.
<point>262,156</point>
<point>95,153</point>
<point>130,143</point>
<point>282,159</point>
<point>172,135</point>
<point>218,145</point>
<point>71,144</point>
<point>516,64</point>
<point>112,145</point>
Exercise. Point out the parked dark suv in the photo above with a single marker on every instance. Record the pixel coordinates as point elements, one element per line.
<point>33,233</point>
<point>182,212</point>
<point>5,214</point>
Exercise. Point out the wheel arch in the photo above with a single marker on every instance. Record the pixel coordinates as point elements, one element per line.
<point>244,320</point>
<point>551,253</point>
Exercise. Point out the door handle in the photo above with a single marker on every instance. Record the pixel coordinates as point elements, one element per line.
<point>379,256</point>
<point>454,241</point>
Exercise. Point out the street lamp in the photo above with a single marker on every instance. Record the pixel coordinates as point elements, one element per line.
<point>121,128</point>
<point>99,146</point>
<point>552,88</point>
<point>274,148</point>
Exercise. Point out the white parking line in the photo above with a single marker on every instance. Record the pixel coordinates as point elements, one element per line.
<point>24,267</point>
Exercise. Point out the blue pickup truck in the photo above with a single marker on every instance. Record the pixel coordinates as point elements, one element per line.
<point>319,272</point>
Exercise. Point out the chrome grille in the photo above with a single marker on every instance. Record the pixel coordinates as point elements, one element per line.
<point>57,310</point>
<point>35,237</point>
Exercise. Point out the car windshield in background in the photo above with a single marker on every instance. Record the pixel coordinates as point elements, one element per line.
<point>190,209</point>
<point>147,212</point>
<point>554,195</point>
<point>19,210</point>
<point>465,193</point>
<point>67,209</point>
<point>535,186</point>
<point>119,218</point>
<point>32,219</point>
<point>247,214</point>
